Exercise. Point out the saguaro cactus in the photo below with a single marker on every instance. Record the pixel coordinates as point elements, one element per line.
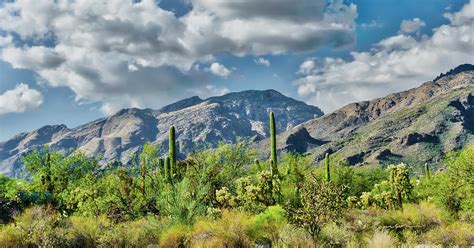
<point>427,171</point>
<point>328,168</point>
<point>273,155</point>
<point>167,169</point>
<point>160,164</point>
<point>172,150</point>
<point>143,173</point>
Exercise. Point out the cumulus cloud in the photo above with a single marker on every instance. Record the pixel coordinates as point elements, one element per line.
<point>411,26</point>
<point>306,67</point>
<point>126,53</point>
<point>20,99</point>
<point>5,41</point>
<point>262,61</point>
<point>393,64</point>
<point>219,70</point>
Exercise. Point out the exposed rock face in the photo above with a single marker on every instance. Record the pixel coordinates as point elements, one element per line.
<point>464,111</point>
<point>414,138</point>
<point>356,158</point>
<point>414,126</point>
<point>386,155</point>
<point>300,141</point>
<point>199,124</point>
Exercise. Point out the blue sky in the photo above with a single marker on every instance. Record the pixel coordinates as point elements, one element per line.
<point>337,53</point>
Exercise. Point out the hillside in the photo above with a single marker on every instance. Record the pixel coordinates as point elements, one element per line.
<point>415,126</point>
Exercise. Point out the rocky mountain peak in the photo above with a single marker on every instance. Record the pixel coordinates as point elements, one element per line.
<point>182,104</point>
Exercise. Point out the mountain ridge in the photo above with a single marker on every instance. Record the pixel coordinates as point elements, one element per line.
<point>198,121</point>
<point>380,123</point>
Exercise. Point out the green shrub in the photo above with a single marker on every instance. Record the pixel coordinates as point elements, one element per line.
<point>267,224</point>
<point>417,218</point>
<point>456,234</point>
<point>175,236</point>
<point>233,229</point>
<point>87,231</point>
<point>11,236</point>
<point>42,226</point>
<point>381,239</point>
<point>335,235</point>
<point>140,233</point>
<point>291,236</point>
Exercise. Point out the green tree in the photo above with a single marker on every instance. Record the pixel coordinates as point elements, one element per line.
<point>54,176</point>
<point>322,202</point>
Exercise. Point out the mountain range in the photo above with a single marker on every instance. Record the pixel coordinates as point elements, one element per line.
<point>414,126</point>
<point>199,124</point>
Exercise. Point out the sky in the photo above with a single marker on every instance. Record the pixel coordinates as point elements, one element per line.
<point>70,62</point>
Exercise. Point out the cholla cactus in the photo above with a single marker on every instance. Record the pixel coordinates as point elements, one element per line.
<point>400,182</point>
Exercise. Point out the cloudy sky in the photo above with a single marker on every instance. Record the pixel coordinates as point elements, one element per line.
<point>66,61</point>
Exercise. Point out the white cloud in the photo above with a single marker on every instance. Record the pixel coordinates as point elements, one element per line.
<point>399,42</point>
<point>35,58</point>
<point>132,67</point>
<point>411,26</point>
<point>463,17</point>
<point>306,67</point>
<point>6,41</point>
<point>262,61</point>
<point>98,45</point>
<point>394,64</point>
<point>20,99</point>
<point>371,24</point>
<point>219,70</point>
<point>212,90</point>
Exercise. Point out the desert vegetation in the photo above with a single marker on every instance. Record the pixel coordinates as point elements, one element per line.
<point>230,197</point>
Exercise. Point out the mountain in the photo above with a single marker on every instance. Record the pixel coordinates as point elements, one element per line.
<point>199,123</point>
<point>414,126</point>
<point>458,69</point>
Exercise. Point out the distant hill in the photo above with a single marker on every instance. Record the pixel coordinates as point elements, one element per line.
<point>414,126</point>
<point>199,124</point>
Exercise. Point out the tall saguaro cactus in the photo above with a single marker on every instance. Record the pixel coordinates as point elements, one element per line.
<point>167,169</point>
<point>328,168</point>
<point>172,150</point>
<point>143,173</point>
<point>273,155</point>
<point>427,171</point>
<point>160,166</point>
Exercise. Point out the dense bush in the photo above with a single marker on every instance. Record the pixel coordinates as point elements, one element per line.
<point>225,198</point>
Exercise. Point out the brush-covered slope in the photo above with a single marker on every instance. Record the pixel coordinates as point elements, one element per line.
<point>199,124</point>
<point>415,126</point>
